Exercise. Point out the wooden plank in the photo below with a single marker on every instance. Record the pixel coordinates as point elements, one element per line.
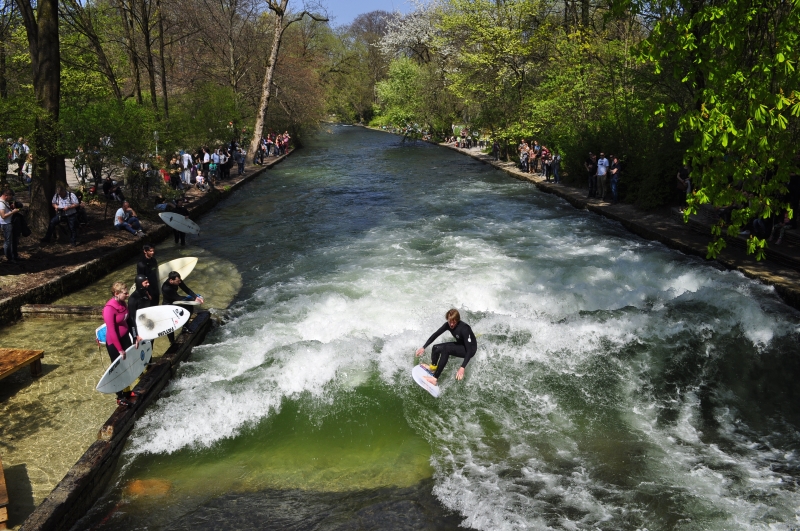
<point>60,311</point>
<point>3,517</point>
<point>14,359</point>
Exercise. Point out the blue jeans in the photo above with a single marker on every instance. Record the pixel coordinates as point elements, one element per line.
<point>614,189</point>
<point>556,176</point>
<point>72,223</point>
<point>9,249</point>
<point>131,225</point>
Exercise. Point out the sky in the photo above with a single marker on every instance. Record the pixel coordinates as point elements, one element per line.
<point>346,10</point>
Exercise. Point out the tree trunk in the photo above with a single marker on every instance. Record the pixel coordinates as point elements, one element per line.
<point>3,82</point>
<point>131,45</point>
<point>49,167</point>
<point>266,93</point>
<point>585,12</point>
<point>144,26</point>
<point>161,57</point>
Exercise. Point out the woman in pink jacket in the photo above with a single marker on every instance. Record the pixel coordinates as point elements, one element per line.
<point>115,312</point>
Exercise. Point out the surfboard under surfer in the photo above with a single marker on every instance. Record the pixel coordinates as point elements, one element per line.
<point>464,346</point>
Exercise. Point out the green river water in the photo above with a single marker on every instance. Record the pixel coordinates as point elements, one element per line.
<point>617,385</point>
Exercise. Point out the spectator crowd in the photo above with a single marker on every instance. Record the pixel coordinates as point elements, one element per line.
<point>203,168</point>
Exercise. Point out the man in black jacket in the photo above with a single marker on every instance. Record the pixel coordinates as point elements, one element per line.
<point>138,300</point>
<point>169,289</point>
<point>465,346</point>
<point>148,266</point>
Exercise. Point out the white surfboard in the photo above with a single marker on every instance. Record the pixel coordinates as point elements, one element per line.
<point>419,373</point>
<point>179,222</point>
<point>188,302</point>
<point>123,372</point>
<point>157,321</point>
<point>183,266</point>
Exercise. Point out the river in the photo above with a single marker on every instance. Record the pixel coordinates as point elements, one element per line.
<point>617,385</point>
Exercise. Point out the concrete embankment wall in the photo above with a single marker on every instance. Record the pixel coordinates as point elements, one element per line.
<point>100,266</point>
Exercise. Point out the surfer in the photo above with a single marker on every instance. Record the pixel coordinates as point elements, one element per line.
<point>464,346</point>
<point>170,292</point>
<point>138,300</point>
<point>148,266</point>
<point>115,315</point>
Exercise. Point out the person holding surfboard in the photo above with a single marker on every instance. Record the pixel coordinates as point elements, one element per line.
<point>464,346</point>
<point>115,315</point>
<point>138,300</point>
<point>170,292</point>
<point>180,209</point>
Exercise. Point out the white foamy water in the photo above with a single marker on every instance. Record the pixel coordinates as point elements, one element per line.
<point>617,385</point>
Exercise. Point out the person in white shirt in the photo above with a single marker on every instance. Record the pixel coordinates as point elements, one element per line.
<point>7,211</point>
<point>65,204</point>
<point>125,218</point>
<point>223,164</point>
<point>602,174</point>
<point>186,162</point>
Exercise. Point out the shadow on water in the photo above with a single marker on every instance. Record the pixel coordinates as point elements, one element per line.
<point>412,508</point>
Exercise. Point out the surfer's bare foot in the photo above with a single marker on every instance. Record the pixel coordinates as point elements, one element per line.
<point>430,379</point>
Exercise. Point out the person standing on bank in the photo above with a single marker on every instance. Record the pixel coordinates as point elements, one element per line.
<point>464,346</point>
<point>180,209</point>
<point>616,176</point>
<point>602,175</point>
<point>148,266</point>
<point>169,289</point>
<point>7,212</point>
<point>115,316</point>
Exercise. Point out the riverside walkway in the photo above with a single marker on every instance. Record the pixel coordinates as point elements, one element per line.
<point>780,269</point>
<point>50,272</point>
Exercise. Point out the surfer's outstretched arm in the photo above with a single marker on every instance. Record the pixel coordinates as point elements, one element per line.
<point>431,339</point>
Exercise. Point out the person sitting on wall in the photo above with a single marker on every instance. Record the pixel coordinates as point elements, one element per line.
<point>126,218</point>
<point>66,206</point>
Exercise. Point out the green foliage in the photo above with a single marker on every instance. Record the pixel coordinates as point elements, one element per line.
<point>399,94</point>
<point>739,61</point>
<point>209,115</point>
<point>127,126</point>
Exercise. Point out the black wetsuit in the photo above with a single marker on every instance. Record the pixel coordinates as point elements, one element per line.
<point>138,300</point>
<point>171,296</point>
<point>149,268</point>
<point>465,346</point>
